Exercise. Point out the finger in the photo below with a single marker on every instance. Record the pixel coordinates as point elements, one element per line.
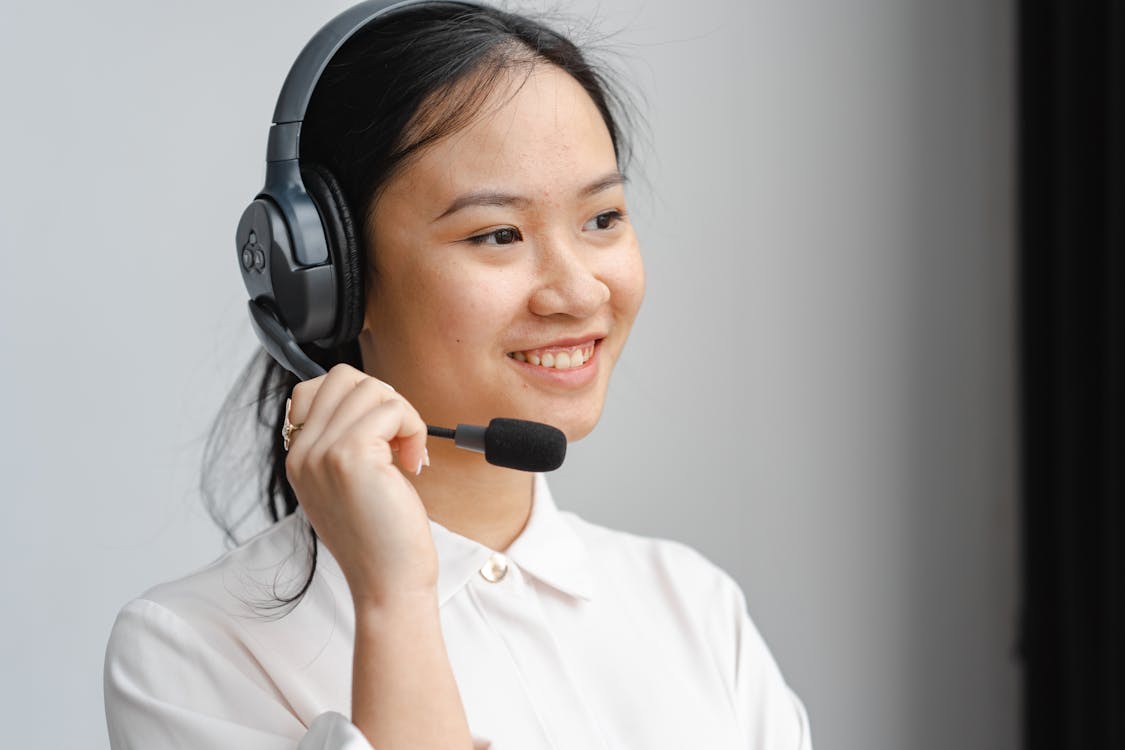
<point>301,398</point>
<point>369,438</point>
<point>313,401</point>
<point>304,393</point>
<point>364,397</point>
<point>392,421</point>
<point>297,408</point>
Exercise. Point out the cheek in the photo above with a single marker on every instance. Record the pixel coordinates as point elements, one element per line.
<point>626,281</point>
<point>473,304</point>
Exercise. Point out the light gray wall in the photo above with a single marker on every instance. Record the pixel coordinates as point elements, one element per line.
<point>818,394</point>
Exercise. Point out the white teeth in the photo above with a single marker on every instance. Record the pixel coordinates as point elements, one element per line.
<point>559,360</point>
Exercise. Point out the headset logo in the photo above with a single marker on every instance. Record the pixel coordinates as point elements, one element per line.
<point>253,256</point>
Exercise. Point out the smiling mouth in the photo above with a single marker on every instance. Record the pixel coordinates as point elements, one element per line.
<point>557,357</point>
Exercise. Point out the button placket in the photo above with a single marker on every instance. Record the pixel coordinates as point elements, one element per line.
<point>512,608</point>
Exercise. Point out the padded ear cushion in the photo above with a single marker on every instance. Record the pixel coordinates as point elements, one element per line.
<point>345,247</point>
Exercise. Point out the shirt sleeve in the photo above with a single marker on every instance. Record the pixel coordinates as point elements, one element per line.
<point>769,712</point>
<point>167,687</point>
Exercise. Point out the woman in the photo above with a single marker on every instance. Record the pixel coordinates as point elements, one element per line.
<point>449,603</point>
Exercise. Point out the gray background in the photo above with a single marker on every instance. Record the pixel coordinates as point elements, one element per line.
<point>818,394</point>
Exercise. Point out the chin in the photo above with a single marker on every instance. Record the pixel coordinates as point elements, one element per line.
<point>574,435</point>
<point>576,415</point>
<point>574,426</point>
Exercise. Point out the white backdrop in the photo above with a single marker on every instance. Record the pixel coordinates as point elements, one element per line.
<point>818,394</point>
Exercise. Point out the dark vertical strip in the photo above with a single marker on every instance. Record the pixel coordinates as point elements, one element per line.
<point>1035,89</point>
<point>1072,128</point>
<point>1113,532</point>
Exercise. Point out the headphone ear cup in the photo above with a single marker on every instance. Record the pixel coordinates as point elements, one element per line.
<point>345,248</point>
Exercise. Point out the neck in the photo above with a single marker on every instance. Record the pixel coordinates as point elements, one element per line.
<point>471,497</point>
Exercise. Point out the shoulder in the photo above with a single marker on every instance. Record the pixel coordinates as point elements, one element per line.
<point>224,595</point>
<point>674,558</point>
<point>662,567</point>
<point>697,607</point>
<point>270,562</point>
<point>217,623</point>
<point>199,659</point>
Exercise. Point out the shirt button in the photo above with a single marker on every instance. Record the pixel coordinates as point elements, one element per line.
<point>494,568</point>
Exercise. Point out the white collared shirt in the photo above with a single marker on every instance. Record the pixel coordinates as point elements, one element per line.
<point>576,637</point>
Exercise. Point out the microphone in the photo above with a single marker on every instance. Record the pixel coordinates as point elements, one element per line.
<point>511,443</point>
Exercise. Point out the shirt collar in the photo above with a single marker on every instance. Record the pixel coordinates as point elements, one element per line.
<point>548,549</point>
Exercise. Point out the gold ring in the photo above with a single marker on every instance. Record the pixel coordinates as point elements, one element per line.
<point>288,428</point>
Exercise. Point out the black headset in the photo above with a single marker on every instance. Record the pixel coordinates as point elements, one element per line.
<point>299,248</point>
<point>300,251</point>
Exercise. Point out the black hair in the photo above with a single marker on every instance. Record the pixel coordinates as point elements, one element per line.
<point>396,86</point>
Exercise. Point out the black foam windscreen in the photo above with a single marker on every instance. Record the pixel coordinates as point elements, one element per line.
<point>523,445</point>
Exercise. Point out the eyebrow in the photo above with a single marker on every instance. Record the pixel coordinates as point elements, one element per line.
<point>496,198</point>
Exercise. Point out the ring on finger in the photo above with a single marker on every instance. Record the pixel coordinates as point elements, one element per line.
<point>287,427</point>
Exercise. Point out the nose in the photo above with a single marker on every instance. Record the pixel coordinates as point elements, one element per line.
<point>569,283</point>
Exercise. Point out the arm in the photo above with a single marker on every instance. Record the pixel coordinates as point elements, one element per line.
<point>342,466</point>
<point>403,691</point>
<point>166,686</point>
<point>770,713</point>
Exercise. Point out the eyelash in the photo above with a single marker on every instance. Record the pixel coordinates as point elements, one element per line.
<point>481,239</point>
<point>614,214</point>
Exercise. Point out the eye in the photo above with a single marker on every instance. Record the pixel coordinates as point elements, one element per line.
<point>501,236</point>
<point>605,220</point>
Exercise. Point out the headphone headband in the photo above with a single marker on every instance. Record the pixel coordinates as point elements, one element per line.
<point>298,253</point>
<point>293,101</point>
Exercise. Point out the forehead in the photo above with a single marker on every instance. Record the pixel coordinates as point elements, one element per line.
<point>538,132</point>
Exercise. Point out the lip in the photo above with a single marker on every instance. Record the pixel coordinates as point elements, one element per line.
<point>596,337</point>
<point>571,377</point>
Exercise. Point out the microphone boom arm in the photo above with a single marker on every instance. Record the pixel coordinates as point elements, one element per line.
<point>500,447</point>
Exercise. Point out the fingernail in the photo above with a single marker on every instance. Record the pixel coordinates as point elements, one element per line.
<point>423,461</point>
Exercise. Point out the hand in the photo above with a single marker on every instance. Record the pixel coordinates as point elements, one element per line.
<point>341,464</point>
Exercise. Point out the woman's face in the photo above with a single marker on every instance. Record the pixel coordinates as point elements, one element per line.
<point>507,277</point>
